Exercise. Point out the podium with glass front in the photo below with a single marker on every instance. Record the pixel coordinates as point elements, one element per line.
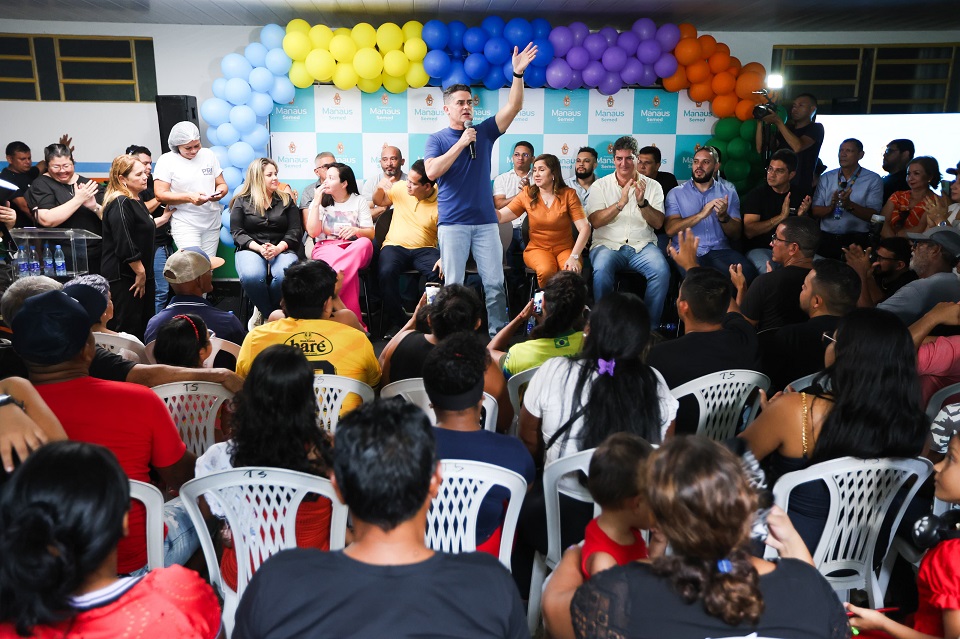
<point>37,241</point>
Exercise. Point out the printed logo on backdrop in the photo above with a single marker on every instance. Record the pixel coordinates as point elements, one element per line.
<point>566,111</point>
<point>294,154</point>
<point>565,147</point>
<point>687,146</point>
<point>486,103</point>
<point>604,146</point>
<point>611,114</point>
<point>338,110</point>
<point>654,112</point>
<point>531,115</point>
<point>347,147</point>
<point>694,118</point>
<point>425,112</point>
<point>297,116</point>
<point>384,112</point>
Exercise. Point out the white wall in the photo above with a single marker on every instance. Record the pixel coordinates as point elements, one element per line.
<point>188,60</point>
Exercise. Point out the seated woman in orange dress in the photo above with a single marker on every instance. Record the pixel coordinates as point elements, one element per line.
<point>905,211</point>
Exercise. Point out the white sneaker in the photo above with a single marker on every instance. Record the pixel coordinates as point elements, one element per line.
<point>256,319</point>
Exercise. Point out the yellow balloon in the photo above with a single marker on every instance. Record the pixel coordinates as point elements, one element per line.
<point>321,64</point>
<point>299,75</point>
<point>320,36</point>
<point>297,45</point>
<point>416,76</point>
<point>416,49</point>
<point>395,63</point>
<point>389,37</point>
<point>368,63</point>
<point>364,35</point>
<point>341,31</point>
<point>344,77</point>
<point>298,26</point>
<point>369,86</point>
<point>393,84</point>
<point>343,48</point>
<point>412,29</point>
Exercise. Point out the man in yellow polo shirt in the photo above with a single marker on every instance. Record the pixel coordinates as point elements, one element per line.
<point>411,242</point>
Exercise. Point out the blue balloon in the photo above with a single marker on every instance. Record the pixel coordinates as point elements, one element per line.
<point>544,53</point>
<point>262,119</point>
<point>494,79</point>
<point>535,77</point>
<point>435,34</point>
<point>257,137</point>
<point>457,30</point>
<point>476,66</point>
<point>508,72</point>
<point>215,111</point>
<point>243,118</point>
<point>227,134</point>
<point>226,239</point>
<point>474,39</point>
<point>541,28</point>
<point>272,36</point>
<point>518,33</point>
<point>241,155</point>
<point>237,91</point>
<point>436,63</point>
<point>497,50</point>
<point>219,86</point>
<point>235,65</point>
<point>221,153</point>
<point>212,137</point>
<point>278,61</point>
<point>283,90</point>
<point>261,79</point>
<point>233,177</point>
<point>225,214</point>
<point>435,82</point>
<point>262,103</point>
<point>456,75</point>
<point>493,25</point>
<point>256,54</point>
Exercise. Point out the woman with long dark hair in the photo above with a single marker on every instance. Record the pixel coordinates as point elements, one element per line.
<point>62,514</point>
<point>872,410</point>
<point>275,425</point>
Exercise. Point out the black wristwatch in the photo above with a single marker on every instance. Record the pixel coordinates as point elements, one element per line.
<point>10,399</point>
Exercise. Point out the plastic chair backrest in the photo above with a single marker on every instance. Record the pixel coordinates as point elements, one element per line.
<point>194,407</point>
<point>148,349</point>
<point>938,399</point>
<point>721,397</point>
<point>804,382</point>
<point>517,384</point>
<point>331,391</point>
<point>862,491</point>
<point>453,514</point>
<point>221,345</point>
<point>116,343</point>
<point>552,475</point>
<point>152,499</point>
<point>412,391</point>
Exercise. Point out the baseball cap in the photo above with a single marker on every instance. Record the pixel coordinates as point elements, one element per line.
<point>92,300</point>
<point>954,171</point>
<point>188,264</point>
<point>50,328</point>
<point>946,237</point>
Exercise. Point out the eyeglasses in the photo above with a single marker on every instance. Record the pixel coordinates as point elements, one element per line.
<point>827,337</point>
<point>322,167</point>
<point>774,238</point>
<point>770,169</point>
<point>60,167</point>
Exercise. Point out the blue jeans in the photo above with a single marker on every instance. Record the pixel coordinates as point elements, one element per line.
<point>649,262</point>
<point>162,289</point>
<point>252,269</point>
<point>723,259</point>
<point>759,258</point>
<point>456,243</point>
<point>181,540</point>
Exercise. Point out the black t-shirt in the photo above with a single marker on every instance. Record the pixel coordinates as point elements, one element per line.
<point>47,193</point>
<point>161,236</point>
<point>796,350</point>
<point>806,159</point>
<point>773,299</point>
<point>667,181</point>
<point>128,230</point>
<point>631,601</point>
<point>110,366</point>
<point>896,181</point>
<point>312,594</point>
<point>23,181</point>
<point>767,203</point>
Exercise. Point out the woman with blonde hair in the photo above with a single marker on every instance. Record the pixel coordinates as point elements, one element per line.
<point>128,231</point>
<point>266,227</point>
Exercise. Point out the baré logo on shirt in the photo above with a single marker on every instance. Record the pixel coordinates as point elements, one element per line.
<point>312,344</point>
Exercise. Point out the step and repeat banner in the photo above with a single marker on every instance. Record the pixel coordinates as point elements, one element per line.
<point>355,126</point>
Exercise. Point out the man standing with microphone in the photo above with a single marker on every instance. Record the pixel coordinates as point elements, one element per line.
<point>458,158</point>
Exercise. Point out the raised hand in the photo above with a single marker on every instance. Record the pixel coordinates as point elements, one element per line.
<point>522,59</point>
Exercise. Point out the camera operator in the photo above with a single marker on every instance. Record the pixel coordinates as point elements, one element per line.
<point>800,134</point>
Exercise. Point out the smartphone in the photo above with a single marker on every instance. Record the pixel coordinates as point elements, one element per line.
<point>538,303</point>
<point>432,289</point>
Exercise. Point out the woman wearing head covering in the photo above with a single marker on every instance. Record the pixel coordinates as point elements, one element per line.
<point>190,181</point>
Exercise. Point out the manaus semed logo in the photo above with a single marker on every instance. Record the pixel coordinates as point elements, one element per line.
<point>610,102</point>
<point>566,100</point>
<point>385,99</point>
<point>429,100</point>
<point>312,344</point>
<point>564,149</point>
<point>610,149</point>
<point>699,104</point>
<point>340,148</point>
<point>336,98</point>
<point>697,147</point>
<point>476,99</point>
<point>292,147</point>
<point>656,100</point>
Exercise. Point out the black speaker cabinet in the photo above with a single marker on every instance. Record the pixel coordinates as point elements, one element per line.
<point>172,109</point>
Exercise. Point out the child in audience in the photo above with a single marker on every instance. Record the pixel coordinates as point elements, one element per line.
<point>617,483</point>
<point>938,613</point>
<point>183,341</point>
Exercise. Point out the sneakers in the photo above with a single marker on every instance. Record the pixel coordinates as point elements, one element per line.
<point>256,319</point>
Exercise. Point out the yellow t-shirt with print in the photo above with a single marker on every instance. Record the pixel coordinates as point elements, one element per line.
<point>532,353</point>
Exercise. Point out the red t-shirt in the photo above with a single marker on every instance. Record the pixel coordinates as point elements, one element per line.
<point>938,587</point>
<point>595,540</point>
<point>134,424</point>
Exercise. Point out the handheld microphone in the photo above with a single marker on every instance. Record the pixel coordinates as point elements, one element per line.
<point>473,145</point>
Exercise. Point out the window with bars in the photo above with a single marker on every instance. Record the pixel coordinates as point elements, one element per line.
<point>77,68</point>
<point>895,78</point>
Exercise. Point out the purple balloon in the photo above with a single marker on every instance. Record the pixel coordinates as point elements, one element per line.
<point>580,31</point>
<point>562,39</point>
<point>613,59</point>
<point>578,58</point>
<point>497,50</point>
<point>610,35</point>
<point>649,77</point>
<point>610,84</point>
<point>668,35</point>
<point>541,28</point>
<point>559,73</point>
<point>632,71</point>
<point>594,74</point>
<point>628,41</point>
<point>649,51</point>
<point>595,44</point>
<point>645,28</point>
<point>666,66</point>
<point>576,80</point>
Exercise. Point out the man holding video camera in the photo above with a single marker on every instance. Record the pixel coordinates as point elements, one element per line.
<point>800,134</point>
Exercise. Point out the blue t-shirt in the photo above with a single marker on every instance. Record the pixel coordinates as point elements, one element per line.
<point>491,448</point>
<point>463,192</point>
<point>688,200</point>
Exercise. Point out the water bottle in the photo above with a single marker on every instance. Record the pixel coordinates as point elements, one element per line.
<point>48,268</point>
<point>34,262</point>
<point>23,263</point>
<point>838,211</point>
<point>59,261</point>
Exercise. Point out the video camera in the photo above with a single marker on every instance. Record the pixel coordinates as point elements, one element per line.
<point>763,110</point>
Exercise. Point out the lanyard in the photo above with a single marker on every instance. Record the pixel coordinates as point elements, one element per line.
<point>849,183</point>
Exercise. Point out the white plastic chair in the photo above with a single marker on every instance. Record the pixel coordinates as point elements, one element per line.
<point>862,491</point>
<point>452,518</point>
<point>552,474</point>
<point>221,345</point>
<point>804,382</point>
<point>331,391</point>
<point>152,500</point>
<point>260,506</point>
<point>721,397</point>
<point>515,385</point>
<point>116,344</point>
<point>194,407</point>
<point>412,391</point>
<point>938,399</point>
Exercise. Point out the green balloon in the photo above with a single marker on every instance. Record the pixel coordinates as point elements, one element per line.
<point>782,113</point>
<point>719,145</point>
<point>742,186</point>
<point>748,130</point>
<point>727,129</point>
<point>736,170</point>
<point>738,149</point>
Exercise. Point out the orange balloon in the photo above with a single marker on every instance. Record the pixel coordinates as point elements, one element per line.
<point>724,83</point>
<point>735,66</point>
<point>755,67</point>
<point>744,110</point>
<point>747,83</point>
<point>676,82</point>
<point>708,46</point>
<point>687,51</point>
<point>724,105</point>
<point>721,47</point>
<point>719,61</point>
<point>699,71</point>
<point>701,92</point>
<point>687,30</point>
